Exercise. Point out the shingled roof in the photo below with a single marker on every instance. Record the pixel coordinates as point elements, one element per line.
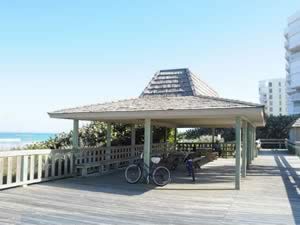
<point>177,82</point>
<point>162,103</point>
<point>176,95</point>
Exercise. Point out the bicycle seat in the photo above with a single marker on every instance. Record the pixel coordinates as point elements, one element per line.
<point>155,160</point>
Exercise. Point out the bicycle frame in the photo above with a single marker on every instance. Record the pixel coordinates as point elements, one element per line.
<point>146,175</point>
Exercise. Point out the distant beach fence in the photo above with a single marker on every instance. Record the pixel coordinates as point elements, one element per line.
<point>22,167</point>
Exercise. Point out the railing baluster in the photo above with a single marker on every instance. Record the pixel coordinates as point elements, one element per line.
<point>46,166</point>
<point>9,170</point>
<point>32,165</point>
<point>71,163</point>
<point>94,155</point>
<point>65,165</point>
<point>18,169</point>
<point>53,165</point>
<point>40,166</point>
<point>25,168</point>
<point>91,156</point>
<point>59,166</point>
<point>1,171</point>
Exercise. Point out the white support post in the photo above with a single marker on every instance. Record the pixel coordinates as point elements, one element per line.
<point>252,144</point>
<point>255,148</point>
<point>213,134</point>
<point>147,145</point>
<point>151,137</point>
<point>238,153</point>
<point>249,144</point>
<point>166,135</point>
<point>75,137</point>
<point>133,133</point>
<point>244,150</point>
<point>166,140</point>
<point>175,138</point>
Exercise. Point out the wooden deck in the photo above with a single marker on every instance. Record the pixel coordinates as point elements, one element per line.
<point>269,195</point>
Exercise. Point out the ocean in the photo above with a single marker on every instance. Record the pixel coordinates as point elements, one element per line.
<point>17,140</point>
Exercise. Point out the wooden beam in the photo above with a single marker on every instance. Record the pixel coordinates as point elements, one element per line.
<point>238,153</point>
<point>147,145</point>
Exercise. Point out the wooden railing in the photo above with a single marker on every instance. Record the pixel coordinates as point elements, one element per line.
<point>273,143</point>
<point>293,147</point>
<point>105,159</point>
<point>228,149</point>
<point>22,167</point>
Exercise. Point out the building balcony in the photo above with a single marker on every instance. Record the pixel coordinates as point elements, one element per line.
<point>295,97</point>
<point>286,44</point>
<point>290,91</point>
<point>287,67</point>
<point>286,32</point>
<point>287,55</point>
<point>294,43</point>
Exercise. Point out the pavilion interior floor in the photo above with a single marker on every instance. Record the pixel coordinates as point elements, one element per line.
<point>269,195</point>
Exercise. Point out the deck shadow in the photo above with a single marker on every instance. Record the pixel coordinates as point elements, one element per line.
<point>291,185</point>
<point>259,170</point>
<point>211,178</point>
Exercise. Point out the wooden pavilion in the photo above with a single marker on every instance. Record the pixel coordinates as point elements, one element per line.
<point>177,98</point>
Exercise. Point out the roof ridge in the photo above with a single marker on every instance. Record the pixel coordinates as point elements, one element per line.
<point>149,83</point>
<point>195,77</point>
<point>191,81</point>
<point>159,103</point>
<point>160,96</point>
<point>96,104</point>
<point>230,100</point>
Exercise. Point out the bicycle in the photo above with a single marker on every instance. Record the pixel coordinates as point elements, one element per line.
<point>159,174</point>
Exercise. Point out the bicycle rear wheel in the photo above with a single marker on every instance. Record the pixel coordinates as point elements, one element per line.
<point>133,174</point>
<point>161,176</point>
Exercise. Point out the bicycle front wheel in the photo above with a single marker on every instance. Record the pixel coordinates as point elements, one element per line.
<point>161,176</point>
<point>133,174</point>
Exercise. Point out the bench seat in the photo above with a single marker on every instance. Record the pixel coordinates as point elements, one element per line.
<point>100,165</point>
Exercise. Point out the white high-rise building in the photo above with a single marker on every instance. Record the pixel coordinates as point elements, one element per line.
<point>272,94</point>
<point>292,46</point>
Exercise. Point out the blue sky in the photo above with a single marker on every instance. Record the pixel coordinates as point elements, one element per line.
<point>57,54</point>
